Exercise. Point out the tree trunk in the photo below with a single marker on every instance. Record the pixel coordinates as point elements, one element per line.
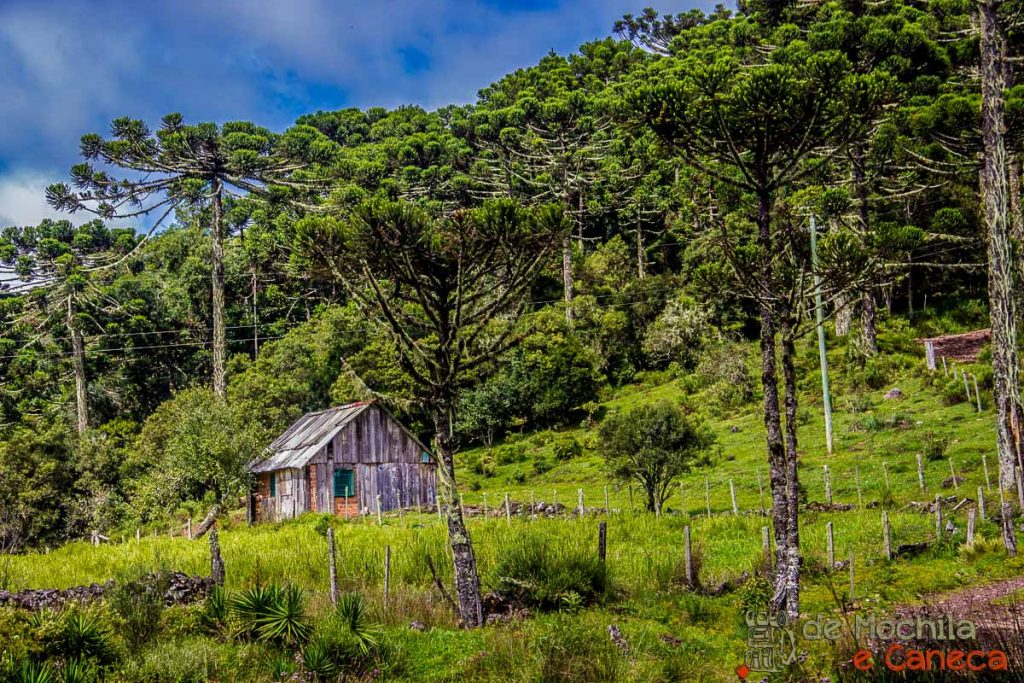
<point>467,581</point>
<point>867,319</point>
<point>789,579</point>
<point>772,417</point>
<point>567,276</point>
<point>1002,309</point>
<point>78,365</point>
<point>217,288</point>
<point>844,315</point>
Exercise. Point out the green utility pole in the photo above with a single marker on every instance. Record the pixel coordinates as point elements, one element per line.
<point>819,313</point>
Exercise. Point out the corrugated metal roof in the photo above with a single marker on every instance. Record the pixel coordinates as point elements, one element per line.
<point>306,437</point>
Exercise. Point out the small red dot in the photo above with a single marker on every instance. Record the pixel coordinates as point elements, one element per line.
<point>743,671</point>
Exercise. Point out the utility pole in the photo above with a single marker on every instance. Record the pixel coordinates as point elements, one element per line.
<point>820,315</point>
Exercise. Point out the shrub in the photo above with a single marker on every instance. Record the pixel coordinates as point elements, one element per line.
<point>724,376</point>
<point>78,634</point>
<point>140,604</point>
<point>215,612</point>
<point>567,450</point>
<point>755,594</point>
<point>539,573</point>
<point>572,651</point>
<point>272,613</point>
<point>934,445</point>
<point>511,453</point>
<point>540,466</point>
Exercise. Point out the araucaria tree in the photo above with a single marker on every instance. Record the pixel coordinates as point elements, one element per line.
<point>755,125</point>
<point>196,165</point>
<point>653,444</point>
<point>450,290</point>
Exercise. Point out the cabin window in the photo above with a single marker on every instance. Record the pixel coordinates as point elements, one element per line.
<point>344,483</point>
<point>426,457</point>
<point>273,484</point>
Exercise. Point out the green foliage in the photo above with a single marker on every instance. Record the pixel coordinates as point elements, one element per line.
<point>272,613</point>
<point>575,651</point>
<point>653,444</point>
<point>139,603</point>
<point>567,450</point>
<point>537,573</point>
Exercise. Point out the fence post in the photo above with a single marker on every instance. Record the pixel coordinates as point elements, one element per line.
<point>929,354</point>
<point>688,550</point>
<point>707,495</point>
<point>508,510</point>
<point>380,522</point>
<point>831,543</point>
<point>387,574</point>
<point>732,494</point>
<point>602,540</point>
<point>887,548</point>
<point>977,394</point>
<point>851,549</point>
<point>984,465</point>
<point>945,368</point>
<point>190,528</point>
<point>138,535</point>
<point>981,502</point>
<point>952,474</point>
<point>967,387</point>
<point>216,561</point>
<point>580,509</point>
<point>828,487</point>
<point>1009,535</point>
<point>332,565</point>
<point>920,471</point>
<point>938,517</point>
<point>766,545</point>
<point>607,505</point>
<point>554,499</point>
<point>970,525</point>
<point>632,508</point>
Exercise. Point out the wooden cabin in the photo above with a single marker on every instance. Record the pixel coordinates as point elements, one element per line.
<point>339,460</point>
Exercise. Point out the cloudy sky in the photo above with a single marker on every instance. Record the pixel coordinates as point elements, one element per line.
<point>67,68</point>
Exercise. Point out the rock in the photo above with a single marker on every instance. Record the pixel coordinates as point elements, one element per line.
<point>618,638</point>
<point>734,429</point>
<point>669,640</point>
<point>950,482</point>
<point>815,506</point>
<point>417,626</point>
<point>893,394</point>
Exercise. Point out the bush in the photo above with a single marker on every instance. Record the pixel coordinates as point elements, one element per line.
<point>538,573</point>
<point>511,453</point>
<point>540,466</point>
<point>139,603</point>
<point>724,376</point>
<point>934,445</point>
<point>567,450</point>
<point>572,651</point>
<point>272,613</point>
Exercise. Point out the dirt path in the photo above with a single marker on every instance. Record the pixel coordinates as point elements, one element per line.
<point>977,603</point>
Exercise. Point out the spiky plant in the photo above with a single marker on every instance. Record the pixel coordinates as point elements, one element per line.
<point>32,672</point>
<point>351,611</point>
<point>286,620</point>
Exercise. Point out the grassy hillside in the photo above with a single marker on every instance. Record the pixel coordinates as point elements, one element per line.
<point>669,630</point>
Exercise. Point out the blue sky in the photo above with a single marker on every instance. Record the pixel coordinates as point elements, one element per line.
<point>67,68</point>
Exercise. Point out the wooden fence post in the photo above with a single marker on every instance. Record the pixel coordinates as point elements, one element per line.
<point>885,472</point>
<point>602,540</point>
<point>920,472</point>
<point>952,475</point>
<point>938,517</point>
<point>828,486</point>
<point>332,565</point>
<point>216,561</point>
<point>138,535</point>
<point>732,493</point>
<point>984,465</point>
<point>190,528</point>
<point>688,550</point>
<point>1009,535</point>
<point>970,525</point>
<point>580,509</point>
<point>380,522</point>
<point>977,394</point>
<point>981,502</point>
<point>831,544</point>
<point>967,387</point>
<point>886,547</point>
<point>945,368</point>
<point>707,495</point>
<point>387,574</point>
<point>508,510</point>
<point>632,508</point>
<point>929,354</point>
<point>851,553</point>
<point>607,505</point>
<point>554,499</point>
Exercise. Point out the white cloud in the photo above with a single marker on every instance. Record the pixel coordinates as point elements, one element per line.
<point>23,200</point>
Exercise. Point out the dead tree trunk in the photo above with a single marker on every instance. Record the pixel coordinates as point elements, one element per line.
<point>78,365</point>
<point>1002,309</point>
<point>207,522</point>
<point>567,276</point>
<point>467,580</point>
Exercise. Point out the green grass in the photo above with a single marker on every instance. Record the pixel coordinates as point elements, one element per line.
<point>644,553</point>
